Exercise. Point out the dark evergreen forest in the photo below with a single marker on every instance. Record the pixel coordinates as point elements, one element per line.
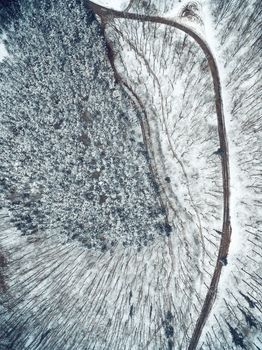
<point>72,160</point>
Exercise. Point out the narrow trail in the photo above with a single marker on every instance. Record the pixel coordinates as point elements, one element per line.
<point>108,14</point>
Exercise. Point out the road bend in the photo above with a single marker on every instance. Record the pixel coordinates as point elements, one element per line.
<point>106,14</point>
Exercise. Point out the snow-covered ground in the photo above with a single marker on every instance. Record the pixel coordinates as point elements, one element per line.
<point>119,5</point>
<point>239,60</point>
<point>150,59</point>
<point>169,72</point>
<point>60,292</point>
<point>3,50</point>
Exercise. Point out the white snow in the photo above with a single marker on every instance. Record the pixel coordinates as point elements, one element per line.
<point>113,4</point>
<point>3,51</point>
<point>170,75</point>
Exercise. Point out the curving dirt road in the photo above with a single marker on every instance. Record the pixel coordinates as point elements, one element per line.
<point>107,14</point>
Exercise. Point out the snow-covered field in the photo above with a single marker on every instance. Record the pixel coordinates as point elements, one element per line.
<point>103,256</point>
